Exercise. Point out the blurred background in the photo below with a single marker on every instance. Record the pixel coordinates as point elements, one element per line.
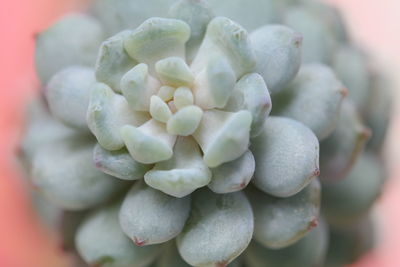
<point>25,243</point>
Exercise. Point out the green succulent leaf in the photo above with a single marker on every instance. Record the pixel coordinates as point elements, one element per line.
<point>197,15</point>
<point>68,93</point>
<point>214,84</point>
<point>251,93</point>
<point>319,40</point>
<point>287,157</point>
<point>101,242</point>
<point>157,38</point>
<point>73,40</point>
<point>218,230</point>
<point>170,257</point>
<point>347,245</point>
<point>309,251</point>
<point>341,149</point>
<point>185,121</point>
<point>226,39</point>
<point>149,143</point>
<point>149,216</point>
<point>138,86</point>
<point>113,61</point>
<point>223,136</point>
<point>234,175</point>
<point>118,163</point>
<point>174,71</point>
<point>278,52</point>
<point>281,222</point>
<point>107,113</point>
<point>183,173</point>
<point>313,98</point>
<point>64,172</point>
<point>251,14</point>
<point>350,199</point>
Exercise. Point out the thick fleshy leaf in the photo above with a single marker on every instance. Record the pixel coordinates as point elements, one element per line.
<point>138,86</point>
<point>234,175</point>
<point>73,40</point>
<point>149,143</point>
<point>166,93</point>
<point>149,216</point>
<point>223,136</point>
<point>287,157</point>
<point>118,163</point>
<point>68,93</point>
<point>347,245</point>
<point>319,41</point>
<point>342,148</point>
<point>158,38</point>
<point>280,222</point>
<point>250,14</point>
<point>119,15</point>
<point>174,71</point>
<point>197,15</point>
<point>65,173</point>
<point>183,173</point>
<point>183,97</point>
<point>159,110</point>
<point>101,242</point>
<point>350,199</point>
<point>170,257</point>
<point>218,230</point>
<point>351,66</point>
<point>41,130</point>
<point>185,121</point>
<point>251,93</point>
<point>278,52</point>
<point>313,98</point>
<point>214,84</point>
<point>226,39</point>
<point>113,61</point>
<point>378,117</point>
<point>309,251</point>
<point>107,113</point>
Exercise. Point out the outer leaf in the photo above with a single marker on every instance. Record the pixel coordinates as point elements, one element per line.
<point>218,230</point>
<point>68,94</point>
<point>170,257</point>
<point>113,61</point>
<point>149,216</point>
<point>101,242</point>
<point>351,66</point>
<point>340,151</point>
<point>314,98</point>
<point>319,41</point>
<point>119,15</point>
<point>197,15</point>
<point>287,157</point>
<point>73,40</point>
<point>234,175</point>
<point>251,14</point>
<point>347,245</point>
<point>309,251</point>
<point>64,172</point>
<point>118,163</point>
<point>280,222</point>
<point>350,199</point>
<point>278,52</point>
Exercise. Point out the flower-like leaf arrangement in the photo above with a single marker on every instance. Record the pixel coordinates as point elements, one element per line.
<point>156,130</point>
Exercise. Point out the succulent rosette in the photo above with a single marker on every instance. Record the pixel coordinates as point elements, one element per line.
<point>159,129</point>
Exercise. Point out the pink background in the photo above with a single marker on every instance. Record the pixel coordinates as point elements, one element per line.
<point>24,243</point>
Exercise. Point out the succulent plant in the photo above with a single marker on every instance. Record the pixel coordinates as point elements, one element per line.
<point>186,140</point>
